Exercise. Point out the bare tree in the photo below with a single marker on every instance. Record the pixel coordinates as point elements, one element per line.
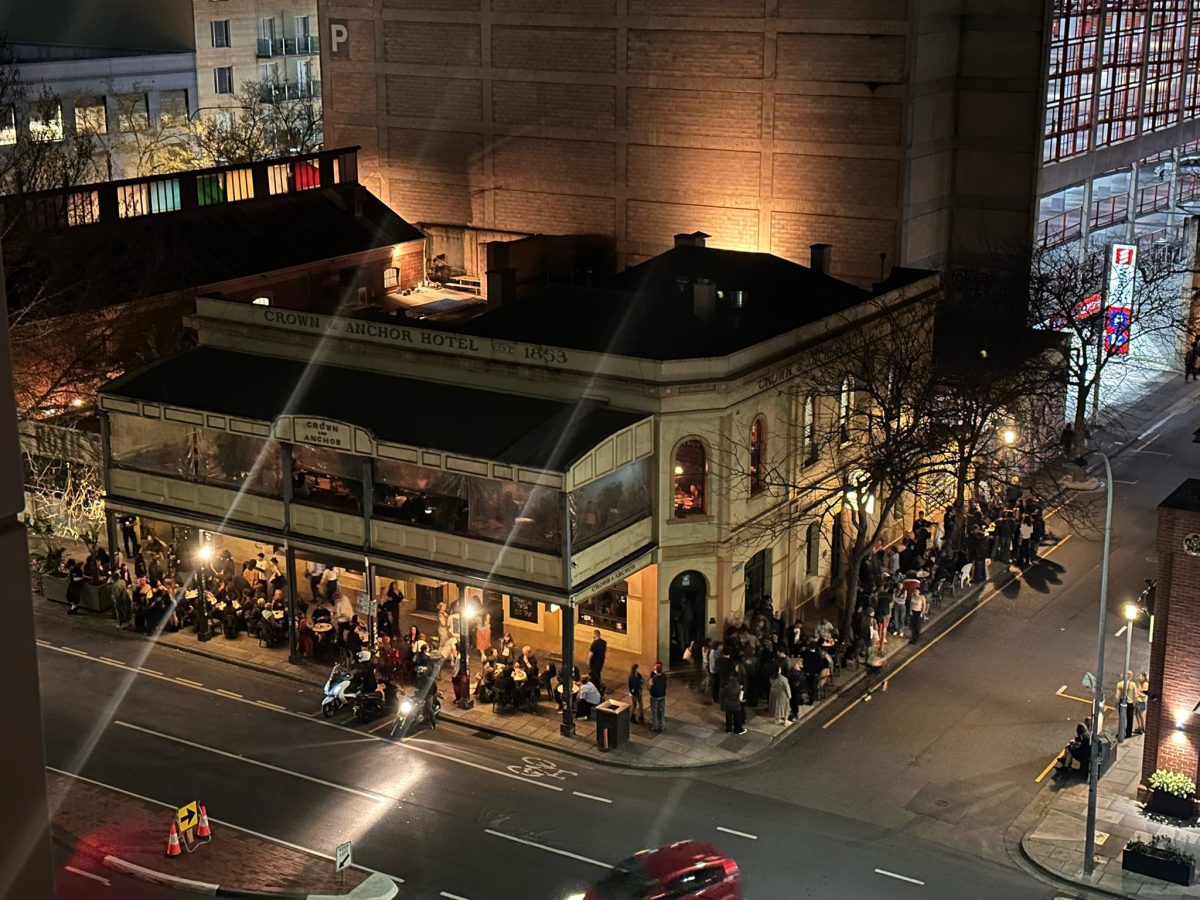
<point>266,119</point>
<point>1068,292</point>
<point>143,144</point>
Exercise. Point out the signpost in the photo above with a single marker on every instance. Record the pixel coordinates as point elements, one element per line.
<point>188,816</point>
<point>343,859</point>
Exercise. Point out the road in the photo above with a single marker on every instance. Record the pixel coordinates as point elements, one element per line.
<point>909,795</point>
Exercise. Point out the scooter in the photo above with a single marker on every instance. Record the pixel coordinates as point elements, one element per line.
<point>412,711</point>
<point>337,691</point>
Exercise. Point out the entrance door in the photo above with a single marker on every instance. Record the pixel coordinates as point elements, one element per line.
<point>689,611</point>
<point>758,583</point>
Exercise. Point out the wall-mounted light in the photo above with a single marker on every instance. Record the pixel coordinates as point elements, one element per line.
<point>678,469</point>
<point>261,301</point>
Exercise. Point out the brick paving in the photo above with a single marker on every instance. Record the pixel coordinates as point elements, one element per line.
<point>110,823</point>
<point>1055,844</point>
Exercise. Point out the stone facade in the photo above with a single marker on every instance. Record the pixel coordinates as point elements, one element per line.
<point>769,124</point>
<point>1172,730</point>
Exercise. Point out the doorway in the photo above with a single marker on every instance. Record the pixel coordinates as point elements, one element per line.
<point>758,582</point>
<point>689,611</point>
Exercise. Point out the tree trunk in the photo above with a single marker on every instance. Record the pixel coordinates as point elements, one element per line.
<point>1079,442</point>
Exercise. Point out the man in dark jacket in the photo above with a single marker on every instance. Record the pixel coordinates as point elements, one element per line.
<point>658,699</point>
<point>731,703</point>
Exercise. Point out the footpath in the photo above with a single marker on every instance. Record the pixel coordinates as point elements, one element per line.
<point>128,834</point>
<point>1052,838</point>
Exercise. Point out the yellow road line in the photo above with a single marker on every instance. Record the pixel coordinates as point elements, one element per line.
<point>1046,771</point>
<point>115,662</point>
<point>271,705</point>
<point>229,693</point>
<point>1087,700</point>
<point>912,659</point>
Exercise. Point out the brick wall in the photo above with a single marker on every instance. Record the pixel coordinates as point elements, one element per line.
<point>650,226</point>
<point>430,43</point>
<point>831,57</point>
<point>857,243</point>
<point>834,179</point>
<point>427,201</point>
<point>698,112</point>
<point>449,156</point>
<point>838,120</point>
<point>1175,654</point>
<point>685,173</point>
<point>877,10</point>
<point>696,8</point>
<point>554,49</point>
<point>413,97</point>
<point>553,213</point>
<point>704,53</point>
<point>412,265</point>
<point>545,161</point>
<point>548,104</point>
<point>353,92</point>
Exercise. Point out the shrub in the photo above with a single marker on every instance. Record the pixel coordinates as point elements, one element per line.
<point>1174,783</point>
<point>1163,848</point>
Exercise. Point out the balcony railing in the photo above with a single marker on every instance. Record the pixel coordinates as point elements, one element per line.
<point>297,46</point>
<point>271,91</point>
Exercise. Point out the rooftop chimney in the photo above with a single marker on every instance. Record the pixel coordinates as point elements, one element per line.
<point>695,239</point>
<point>819,257</point>
<point>704,300</point>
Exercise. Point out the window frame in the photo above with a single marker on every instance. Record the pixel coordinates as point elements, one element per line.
<point>219,33</point>
<point>812,550</point>
<point>758,456</point>
<point>217,70</point>
<point>845,410</point>
<point>808,431</point>
<point>703,476</point>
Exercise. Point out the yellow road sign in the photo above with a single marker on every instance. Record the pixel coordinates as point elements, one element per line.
<point>188,816</point>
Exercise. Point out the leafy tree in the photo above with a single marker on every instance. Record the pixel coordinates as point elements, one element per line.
<point>265,120</point>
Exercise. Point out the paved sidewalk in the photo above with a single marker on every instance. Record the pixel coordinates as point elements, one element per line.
<point>1055,844</point>
<point>129,834</point>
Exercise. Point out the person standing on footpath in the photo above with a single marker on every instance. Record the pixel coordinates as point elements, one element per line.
<point>714,672</point>
<point>916,606</point>
<point>731,703</point>
<point>1126,703</point>
<point>122,601</point>
<point>1143,696</point>
<point>658,699</point>
<point>596,654</point>
<point>780,698</point>
<point>638,711</point>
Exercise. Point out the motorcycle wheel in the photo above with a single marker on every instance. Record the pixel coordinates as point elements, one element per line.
<point>328,710</point>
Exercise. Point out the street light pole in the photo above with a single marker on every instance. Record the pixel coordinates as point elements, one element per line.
<point>1089,847</point>
<point>204,554</point>
<point>1131,614</point>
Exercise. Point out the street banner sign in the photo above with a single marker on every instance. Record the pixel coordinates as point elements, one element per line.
<point>342,857</point>
<point>1089,306</point>
<point>1122,269</point>
<point>1116,329</point>
<point>188,816</point>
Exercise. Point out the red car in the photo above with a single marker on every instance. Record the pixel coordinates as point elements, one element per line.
<point>686,869</point>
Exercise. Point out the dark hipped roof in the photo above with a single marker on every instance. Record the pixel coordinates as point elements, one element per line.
<point>646,311</point>
<point>1185,497</point>
<point>543,434</point>
<point>147,256</point>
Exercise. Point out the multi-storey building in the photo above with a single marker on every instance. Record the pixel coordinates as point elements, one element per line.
<point>244,41</point>
<point>454,459</point>
<point>899,132</point>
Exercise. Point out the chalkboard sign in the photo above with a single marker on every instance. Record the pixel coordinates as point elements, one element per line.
<point>523,609</point>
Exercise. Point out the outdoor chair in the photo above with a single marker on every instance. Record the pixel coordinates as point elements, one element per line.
<point>964,577</point>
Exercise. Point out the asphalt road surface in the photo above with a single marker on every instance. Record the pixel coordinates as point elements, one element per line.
<point>910,795</point>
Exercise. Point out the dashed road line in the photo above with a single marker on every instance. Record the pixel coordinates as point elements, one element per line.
<point>67,649</point>
<point>226,693</point>
<point>188,681</point>
<point>275,706</point>
<point>450,896</point>
<point>42,643</point>
<point>150,671</point>
<point>92,875</point>
<point>888,874</point>
<point>1121,631</point>
<point>591,797</point>
<point>369,795</point>
<point>548,849</point>
<point>115,662</point>
<point>753,837</point>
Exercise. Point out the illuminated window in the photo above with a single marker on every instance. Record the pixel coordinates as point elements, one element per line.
<point>1119,109</point>
<point>8,126</point>
<point>607,609</point>
<point>173,107</point>
<point>45,120</point>
<point>133,113</point>
<point>845,408</point>
<point>808,426</point>
<point>1165,64</point>
<point>1070,79</point>
<point>758,457</point>
<point>91,116</point>
<point>691,466</point>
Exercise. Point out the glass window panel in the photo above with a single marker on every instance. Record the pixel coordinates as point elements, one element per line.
<point>91,116</point>
<point>608,609</point>
<point>606,505</point>
<point>327,478</point>
<point>690,473</point>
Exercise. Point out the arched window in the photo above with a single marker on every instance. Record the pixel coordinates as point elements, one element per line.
<point>808,426</point>
<point>845,408</point>
<point>758,456</point>
<point>691,469</point>
<point>812,548</point>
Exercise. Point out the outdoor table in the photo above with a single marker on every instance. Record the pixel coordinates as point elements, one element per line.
<point>519,675</point>
<point>322,628</point>
<point>279,614</point>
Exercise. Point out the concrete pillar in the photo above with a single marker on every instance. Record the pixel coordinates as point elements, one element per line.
<point>25,861</point>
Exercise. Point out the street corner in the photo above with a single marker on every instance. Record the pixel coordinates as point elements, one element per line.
<point>142,838</point>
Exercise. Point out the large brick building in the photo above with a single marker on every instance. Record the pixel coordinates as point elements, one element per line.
<point>899,132</point>
<point>1172,727</point>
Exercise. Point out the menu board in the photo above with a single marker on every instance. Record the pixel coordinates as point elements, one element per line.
<point>523,609</point>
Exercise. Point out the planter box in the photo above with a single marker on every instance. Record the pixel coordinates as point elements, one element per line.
<point>1156,867</point>
<point>96,597</point>
<point>1169,805</point>
<point>54,587</point>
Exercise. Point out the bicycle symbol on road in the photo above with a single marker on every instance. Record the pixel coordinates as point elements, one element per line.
<point>536,767</point>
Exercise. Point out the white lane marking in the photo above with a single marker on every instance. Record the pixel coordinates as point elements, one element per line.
<point>115,662</point>
<point>753,837</point>
<point>74,871</point>
<point>1121,632</point>
<point>312,718</point>
<point>189,681</point>
<point>1151,452</point>
<point>229,693</point>
<point>42,643</point>
<point>375,729</point>
<point>1059,692</point>
<point>450,896</point>
<point>566,853</point>
<point>369,795</point>
<point>591,797</point>
<point>1119,481</point>
<point>67,649</point>
<point>898,877</point>
<point>1149,442</point>
<point>223,823</point>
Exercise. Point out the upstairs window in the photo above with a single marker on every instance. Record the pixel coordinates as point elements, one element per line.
<point>91,116</point>
<point>758,457</point>
<point>134,113</point>
<point>691,466</point>
<point>223,79</point>
<point>8,126</point>
<point>45,120</point>
<point>845,409</point>
<point>808,432</point>
<point>220,33</point>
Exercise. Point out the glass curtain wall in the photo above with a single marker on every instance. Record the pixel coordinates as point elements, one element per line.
<point>605,506</point>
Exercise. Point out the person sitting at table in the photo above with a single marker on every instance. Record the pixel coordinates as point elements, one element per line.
<point>546,679</point>
<point>323,614</point>
<point>826,632</point>
<point>508,647</point>
<point>485,684</point>
<point>506,687</point>
<point>589,697</point>
<point>528,661</point>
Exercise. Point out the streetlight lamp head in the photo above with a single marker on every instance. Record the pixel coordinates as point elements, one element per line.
<point>471,610</point>
<point>1010,435</point>
<point>205,552</point>
<point>1132,610</point>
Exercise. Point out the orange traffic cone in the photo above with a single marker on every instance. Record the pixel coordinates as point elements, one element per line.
<point>173,842</point>
<point>202,830</point>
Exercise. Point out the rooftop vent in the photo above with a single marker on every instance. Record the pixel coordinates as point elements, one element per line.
<point>695,239</point>
<point>819,256</point>
<point>704,300</point>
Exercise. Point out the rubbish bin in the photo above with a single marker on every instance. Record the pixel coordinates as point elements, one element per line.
<point>612,724</point>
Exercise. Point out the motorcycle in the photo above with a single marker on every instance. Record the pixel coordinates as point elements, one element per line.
<point>338,691</point>
<point>412,711</point>
<point>367,705</point>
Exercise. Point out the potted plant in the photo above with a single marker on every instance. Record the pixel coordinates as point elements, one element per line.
<point>1172,794</point>
<point>1159,859</point>
<point>95,593</point>
<point>48,568</point>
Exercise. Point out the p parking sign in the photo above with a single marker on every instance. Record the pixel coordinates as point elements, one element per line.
<point>339,39</point>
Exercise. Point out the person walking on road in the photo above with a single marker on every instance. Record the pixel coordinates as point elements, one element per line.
<point>916,614</point>
<point>596,654</point>
<point>781,698</point>
<point>731,703</point>
<point>637,707</point>
<point>658,699</point>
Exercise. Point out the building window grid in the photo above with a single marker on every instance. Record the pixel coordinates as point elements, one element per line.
<point>1165,63</point>
<point>1119,110</point>
<point>1191,81</point>
<point>1071,80</point>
